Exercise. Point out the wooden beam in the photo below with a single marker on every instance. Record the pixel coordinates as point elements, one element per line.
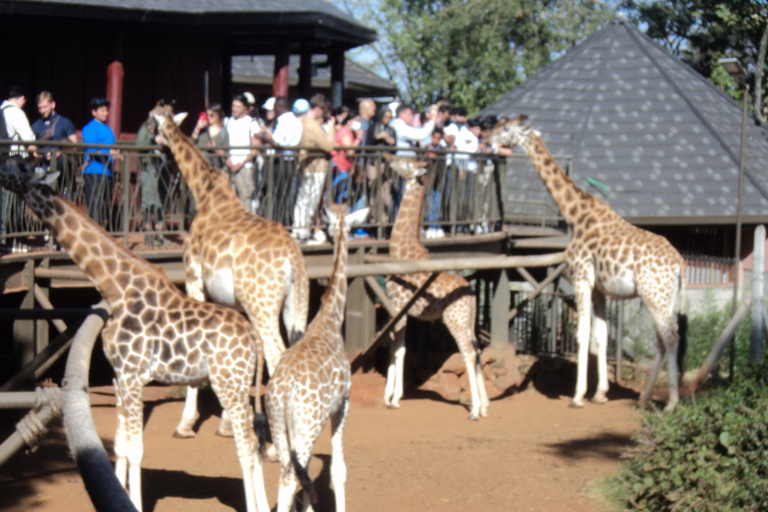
<point>380,294</point>
<point>357,361</point>
<point>540,288</point>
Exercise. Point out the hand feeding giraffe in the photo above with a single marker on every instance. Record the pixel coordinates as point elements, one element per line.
<point>607,256</point>
<point>155,333</point>
<point>238,258</point>
<point>449,297</point>
<point>312,381</point>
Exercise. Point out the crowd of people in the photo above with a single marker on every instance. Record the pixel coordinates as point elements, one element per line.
<point>340,141</point>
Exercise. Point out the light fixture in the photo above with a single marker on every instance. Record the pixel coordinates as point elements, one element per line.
<point>732,66</point>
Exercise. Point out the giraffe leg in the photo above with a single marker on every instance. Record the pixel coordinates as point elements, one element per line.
<point>653,375</point>
<point>235,398</point>
<point>457,321</point>
<point>189,415</point>
<point>338,467</point>
<point>583,293</point>
<point>195,289</point>
<point>394,387</point>
<point>133,407</point>
<point>600,333</point>
<point>121,460</point>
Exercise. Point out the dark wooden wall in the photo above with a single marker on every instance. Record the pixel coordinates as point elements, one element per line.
<point>70,59</point>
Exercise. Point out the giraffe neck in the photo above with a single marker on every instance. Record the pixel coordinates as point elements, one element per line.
<point>109,265</point>
<point>197,171</point>
<point>572,201</point>
<point>334,299</point>
<point>404,242</point>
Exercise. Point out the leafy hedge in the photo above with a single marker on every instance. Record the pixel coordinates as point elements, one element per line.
<point>711,457</point>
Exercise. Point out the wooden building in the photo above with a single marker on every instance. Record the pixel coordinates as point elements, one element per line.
<point>138,51</point>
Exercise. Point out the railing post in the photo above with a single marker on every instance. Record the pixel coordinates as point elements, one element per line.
<point>360,320</point>
<point>269,212</point>
<point>125,185</point>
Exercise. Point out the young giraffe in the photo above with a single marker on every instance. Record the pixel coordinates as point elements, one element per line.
<point>237,257</point>
<point>311,383</point>
<point>155,333</point>
<point>449,297</point>
<point>607,256</point>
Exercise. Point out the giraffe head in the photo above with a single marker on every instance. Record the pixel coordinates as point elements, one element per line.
<point>166,120</point>
<point>19,175</point>
<point>337,212</point>
<point>514,131</point>
<point>408,169</point>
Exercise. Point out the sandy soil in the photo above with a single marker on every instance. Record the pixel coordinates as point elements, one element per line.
<point>533,452</point>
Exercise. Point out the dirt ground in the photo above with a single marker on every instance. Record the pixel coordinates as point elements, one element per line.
<point>533,452</point>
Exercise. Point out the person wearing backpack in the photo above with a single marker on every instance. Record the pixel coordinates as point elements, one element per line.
<point>16,122</point>
<point>14,125</point>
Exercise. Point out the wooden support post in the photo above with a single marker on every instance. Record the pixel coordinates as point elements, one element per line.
<point>719,347</point>
<point>532,295</point>
<point>24,330</point>
<point>380,294</point>
<point>304,86</point>
<point>42,332</point>
<point>500,309</point>
<point>42,298</point>
<point>281,71</point>
<point>360,320</point>
<point>336,57</point>
<point>528,277</point>
<point>758,264</point>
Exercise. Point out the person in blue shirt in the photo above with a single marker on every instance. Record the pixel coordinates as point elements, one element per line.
<point>97,175</point>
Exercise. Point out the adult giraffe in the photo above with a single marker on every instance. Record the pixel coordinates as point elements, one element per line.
<point>238,258</point>
<point>608,257</point>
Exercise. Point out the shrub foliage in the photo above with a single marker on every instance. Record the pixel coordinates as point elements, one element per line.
<point>710,457</point>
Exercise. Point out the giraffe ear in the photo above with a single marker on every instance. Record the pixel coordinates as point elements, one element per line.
<point>159,119</point>
<point>357,217</point>
<point>178,118</point>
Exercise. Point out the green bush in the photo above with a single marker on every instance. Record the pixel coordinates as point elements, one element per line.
<point>703,332</point>
<point>711,457</point>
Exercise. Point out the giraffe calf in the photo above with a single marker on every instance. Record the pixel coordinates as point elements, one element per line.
<point>311,385</point>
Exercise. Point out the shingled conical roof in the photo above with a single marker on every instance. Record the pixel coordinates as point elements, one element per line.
<point>637,119</point>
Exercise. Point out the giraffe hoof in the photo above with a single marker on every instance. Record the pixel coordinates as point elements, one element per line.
<point>184,433</point>
<point>576,404</point>
<point>600,400</point>
<point>393,406</point>
<point>222,432</point>
<point>473,417</point>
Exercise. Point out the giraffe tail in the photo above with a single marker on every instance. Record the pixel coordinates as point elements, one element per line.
<point>682,322</point>
<point>259,418</point>
<point>302,474</point>
<point>300,297</point>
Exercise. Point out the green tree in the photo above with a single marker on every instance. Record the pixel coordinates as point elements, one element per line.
<point>702,31</point>
<point>473,51</point>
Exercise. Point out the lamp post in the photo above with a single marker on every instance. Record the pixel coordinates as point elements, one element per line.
<point>733,68</point>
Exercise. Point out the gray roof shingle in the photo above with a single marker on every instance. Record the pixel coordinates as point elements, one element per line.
<point>635,118</point>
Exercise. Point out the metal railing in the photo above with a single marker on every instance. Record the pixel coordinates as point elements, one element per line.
<point>146,193</point>
<point>703,270</point>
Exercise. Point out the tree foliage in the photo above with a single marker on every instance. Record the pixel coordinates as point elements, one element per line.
<point>473,51</point>
<point>702,31</point>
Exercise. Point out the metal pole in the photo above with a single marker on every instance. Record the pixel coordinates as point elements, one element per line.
<point>756,334</point>
<point>737,252</point>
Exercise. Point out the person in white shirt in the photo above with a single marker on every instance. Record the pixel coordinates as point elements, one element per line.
<point>288,128</point>
<point>18,128</point>
<point>16,122</point>
<point>242,131</point>
<point>406,136</point>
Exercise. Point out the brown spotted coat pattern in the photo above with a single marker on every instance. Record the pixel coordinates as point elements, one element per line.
<point>238,258</point>
<point>608,257</point>
<point>311,385</point>
<point>154,333</point>
<point>449,297</point>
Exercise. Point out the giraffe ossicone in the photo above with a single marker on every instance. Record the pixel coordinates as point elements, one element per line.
<point>155,332</point>
<point>236,258</point>
<point>449,297</point>
<point>311,384</point>
<point>608,257</point>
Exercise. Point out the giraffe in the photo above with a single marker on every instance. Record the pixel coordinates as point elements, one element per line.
<point>449,297</point>
<point>312,381</point>
<point>608,257</point>
<point>154,332</point>
<point>238,258</point>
